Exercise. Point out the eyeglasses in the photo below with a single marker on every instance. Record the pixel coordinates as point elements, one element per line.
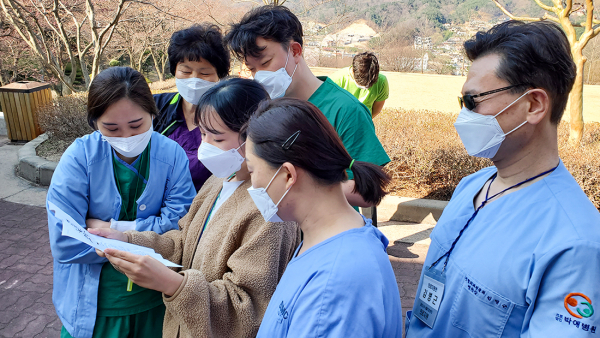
<point>468,99</point>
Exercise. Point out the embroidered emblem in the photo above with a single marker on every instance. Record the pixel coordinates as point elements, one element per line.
<point>579,305</point>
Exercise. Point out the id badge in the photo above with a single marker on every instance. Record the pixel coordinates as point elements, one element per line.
<point>430,296</point>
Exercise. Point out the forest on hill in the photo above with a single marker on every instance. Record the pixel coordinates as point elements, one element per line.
<point>386,14</point>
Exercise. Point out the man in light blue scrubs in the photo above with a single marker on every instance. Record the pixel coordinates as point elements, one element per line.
<point>516,252</point>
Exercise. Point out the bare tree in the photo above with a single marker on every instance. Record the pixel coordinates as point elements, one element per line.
<point>561,12</point>
<point>62,30</point>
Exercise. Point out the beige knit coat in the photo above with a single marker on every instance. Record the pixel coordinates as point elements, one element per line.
<point>231,273</point>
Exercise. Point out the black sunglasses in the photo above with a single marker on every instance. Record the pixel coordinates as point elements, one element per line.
<point>468,99</point>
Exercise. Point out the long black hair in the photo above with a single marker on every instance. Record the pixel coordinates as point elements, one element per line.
<point>295,131</point>
<point>234,100</point>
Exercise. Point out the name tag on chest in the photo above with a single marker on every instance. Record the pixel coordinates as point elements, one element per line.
<point>430,296</point>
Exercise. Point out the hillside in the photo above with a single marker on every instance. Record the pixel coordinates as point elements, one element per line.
<point>386,14</point>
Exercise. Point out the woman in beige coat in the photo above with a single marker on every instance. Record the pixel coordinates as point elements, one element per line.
<point>232,258</point>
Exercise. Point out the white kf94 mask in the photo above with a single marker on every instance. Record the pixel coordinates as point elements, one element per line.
<point>221,163</point>
<point>481,134</point>
<point>193,88</point>
<point>264,203</point>
<point>275,83</point>
<point>130,146</point>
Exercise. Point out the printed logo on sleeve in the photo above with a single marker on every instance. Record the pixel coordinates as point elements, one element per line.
<point>579,305</point>
<point>283,314</point>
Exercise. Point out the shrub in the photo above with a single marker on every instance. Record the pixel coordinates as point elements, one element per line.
<point>114,63</point>
<point>428,158</point>
<point>163,86</point>
<point>64,120</point>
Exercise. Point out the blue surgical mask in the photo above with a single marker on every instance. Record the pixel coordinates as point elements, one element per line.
<point>482,135</point>
<point>264,203</point>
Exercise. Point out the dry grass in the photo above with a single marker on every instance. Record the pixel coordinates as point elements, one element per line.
<point>428,158</point>
<point>163,86</point>
<point>64,120</point>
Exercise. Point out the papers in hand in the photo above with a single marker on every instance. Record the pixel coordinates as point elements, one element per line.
<point>74,230</point>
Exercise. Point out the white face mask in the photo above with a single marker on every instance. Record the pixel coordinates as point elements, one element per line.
<point>264,203</point>
<point>481,134</point>
<point>275,83</point>
<point>130,146</point>
<point>193,88</point>
<point>221,163</point>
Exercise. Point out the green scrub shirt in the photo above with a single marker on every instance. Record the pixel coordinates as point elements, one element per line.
<point>122,313</point>
<point>352,121</point>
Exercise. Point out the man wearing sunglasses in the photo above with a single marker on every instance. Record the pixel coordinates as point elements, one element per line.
<point>516,253</point>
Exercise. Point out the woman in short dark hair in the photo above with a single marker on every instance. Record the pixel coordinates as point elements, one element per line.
<point>122,176</point>
<point>340,282</point>
<point>198,59</point>
<point>232,259</point>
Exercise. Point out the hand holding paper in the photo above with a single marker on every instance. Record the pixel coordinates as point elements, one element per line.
<point>145,271</point>
<point>72,229</point>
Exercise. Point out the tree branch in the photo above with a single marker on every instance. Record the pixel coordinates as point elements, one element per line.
<point>545,7</point>
<point>589,4</point>
<point>510,15</point>
<point>568,6</point>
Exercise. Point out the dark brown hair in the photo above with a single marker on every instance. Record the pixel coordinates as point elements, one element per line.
<point>365,68</point>
<point>200,41</point>
<point>295,131</point>
<point>234,100</point>
<point>114,84</point>
<point>535,54</point>
<point>270,22</point>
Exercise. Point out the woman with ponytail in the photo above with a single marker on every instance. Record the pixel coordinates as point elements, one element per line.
<point>340,282</point>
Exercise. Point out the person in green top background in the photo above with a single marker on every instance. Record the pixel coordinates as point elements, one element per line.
<point>269,41</point>
<point>364,81</point>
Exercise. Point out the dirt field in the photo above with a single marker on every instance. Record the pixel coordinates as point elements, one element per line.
<point>440,92</point>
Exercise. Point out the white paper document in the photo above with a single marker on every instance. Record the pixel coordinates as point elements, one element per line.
<point>74,230</point>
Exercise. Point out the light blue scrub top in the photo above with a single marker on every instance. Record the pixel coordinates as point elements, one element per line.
<point>342,287</point>
<point>83,186</point>
<point>516,267</point>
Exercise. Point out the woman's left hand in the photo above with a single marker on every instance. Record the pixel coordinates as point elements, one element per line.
<point>145,271</point>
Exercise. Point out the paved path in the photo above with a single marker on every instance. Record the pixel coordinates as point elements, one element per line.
<point>26,308</point>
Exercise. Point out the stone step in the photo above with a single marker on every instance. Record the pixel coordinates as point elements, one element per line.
<point>409,233</point>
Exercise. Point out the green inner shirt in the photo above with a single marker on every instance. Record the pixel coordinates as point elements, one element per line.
<point>379,91</point>
<point>352,121</point>
<point>113,297</point>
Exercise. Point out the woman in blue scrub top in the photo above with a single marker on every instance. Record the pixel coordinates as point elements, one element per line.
<point>123,176</point>
<point>340,282</point>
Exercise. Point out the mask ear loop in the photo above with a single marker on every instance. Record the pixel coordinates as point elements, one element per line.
<point>510,105</point>
<point>519,126</point>
<point>522,124</point>
<point>268,185</point>
<point>271,181</point>
<point>286,63</point>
